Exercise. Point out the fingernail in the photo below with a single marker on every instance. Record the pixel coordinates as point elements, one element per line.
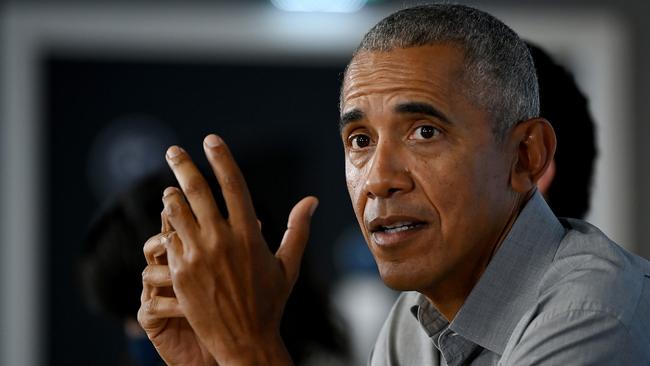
<point>174,151</point>
<point>168,191</point>
<point>212,141</point>
<point>313,209</point>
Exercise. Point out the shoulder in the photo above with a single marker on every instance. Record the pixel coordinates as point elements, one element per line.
<point>402,341</point>
<point>593,305</point>
<point>591,272</point>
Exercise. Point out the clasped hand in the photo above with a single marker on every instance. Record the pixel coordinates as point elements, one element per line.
<point>213,293</point>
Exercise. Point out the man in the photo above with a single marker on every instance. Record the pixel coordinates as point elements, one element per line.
<point>443,151</point>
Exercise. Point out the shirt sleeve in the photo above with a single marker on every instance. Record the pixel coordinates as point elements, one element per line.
<point>575,337</point>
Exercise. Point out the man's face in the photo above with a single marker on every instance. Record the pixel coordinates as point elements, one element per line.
<point>428,180</point>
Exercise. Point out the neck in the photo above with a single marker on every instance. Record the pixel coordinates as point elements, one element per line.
<point>449,297</point>
<point>517,206</point>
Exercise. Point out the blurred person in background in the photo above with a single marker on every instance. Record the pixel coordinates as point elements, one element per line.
<point>444,148</point>
<point>111,263</point>
<point>567,182</point>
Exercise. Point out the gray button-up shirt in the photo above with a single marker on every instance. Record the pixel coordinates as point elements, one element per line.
<point>557,292</point>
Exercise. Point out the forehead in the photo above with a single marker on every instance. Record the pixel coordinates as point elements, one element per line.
<point>425,70</point>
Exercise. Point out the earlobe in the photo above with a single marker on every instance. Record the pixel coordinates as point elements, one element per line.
<point>534,142</point>
<point>544,182</point>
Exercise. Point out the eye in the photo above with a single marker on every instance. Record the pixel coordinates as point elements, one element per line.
<point>359,141</point>
<point>424,132</point>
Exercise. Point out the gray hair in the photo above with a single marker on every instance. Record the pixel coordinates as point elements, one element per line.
<point>499,69</point>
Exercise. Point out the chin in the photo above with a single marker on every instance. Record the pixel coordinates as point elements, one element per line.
<point>403,277</point>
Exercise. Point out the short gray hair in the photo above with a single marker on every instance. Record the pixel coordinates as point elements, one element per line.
<point>499,69</point>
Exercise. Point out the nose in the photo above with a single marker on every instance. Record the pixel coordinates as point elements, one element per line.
<point>388,174</point>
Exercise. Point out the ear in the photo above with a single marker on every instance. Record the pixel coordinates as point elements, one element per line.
<point>534,146</point>
<point>544,182</point>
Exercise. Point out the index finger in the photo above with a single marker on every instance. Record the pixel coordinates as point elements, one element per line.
<point>233,186</point>
<point>194,186</point>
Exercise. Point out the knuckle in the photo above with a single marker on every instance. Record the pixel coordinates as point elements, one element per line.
<point>219,151</point>
<point>173,273</point>
<point>181,277</point>
<point>140,317</point>
<point>153,246</point>
<point>146,273</point>
<point>194,187</point>
<point>212,237</point>
<point>193,260</point>
<point>210,232</point>
<point>148,245</point>
<point>172,209</point>
<point>151,306</point>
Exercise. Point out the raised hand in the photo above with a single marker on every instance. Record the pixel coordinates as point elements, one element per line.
<point>231,289</point>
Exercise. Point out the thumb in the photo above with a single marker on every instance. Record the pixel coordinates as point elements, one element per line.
<point>295,237</point>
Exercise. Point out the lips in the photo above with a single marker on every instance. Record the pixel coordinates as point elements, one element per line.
<point>394,229</point>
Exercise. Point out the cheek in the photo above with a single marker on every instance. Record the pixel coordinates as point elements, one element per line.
<point>441,177</point>
<point>448,186</point>
<point>354,179</point>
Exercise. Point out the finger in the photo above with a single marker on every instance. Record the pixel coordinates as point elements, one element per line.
<point>153,248</point>
<point>233,186</point>
<point>179,214</point>
<point>156,254</point>
<point>194,186</point>
<point>166,228</point>
<point>295,237</point>
<point>164,221</point>
<point>146,292</point>
<point>174,248</point>
<point>159,307</point>
<point>150,289</point>
<point>157,275</point>
<point>175,259</point>
<point>259,224</point>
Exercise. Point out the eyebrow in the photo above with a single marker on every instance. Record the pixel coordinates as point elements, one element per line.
<point>421,108</point>
<point>402,108</point>
<point>349,117</point>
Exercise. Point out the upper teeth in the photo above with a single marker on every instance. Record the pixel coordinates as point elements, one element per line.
<point>398,225</point>
<point>397,229</point>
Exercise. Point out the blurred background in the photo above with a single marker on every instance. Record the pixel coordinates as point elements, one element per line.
<point>92,92</point>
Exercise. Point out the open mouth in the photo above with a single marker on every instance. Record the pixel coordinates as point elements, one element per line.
<point>396,227</point>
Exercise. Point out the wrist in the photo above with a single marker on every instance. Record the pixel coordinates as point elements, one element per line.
<point>269,350</point>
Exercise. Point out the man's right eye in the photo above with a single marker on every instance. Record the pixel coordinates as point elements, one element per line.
<point>359,141</point>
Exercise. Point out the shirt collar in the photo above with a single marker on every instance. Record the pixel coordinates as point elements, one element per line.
<point>508,287</point>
